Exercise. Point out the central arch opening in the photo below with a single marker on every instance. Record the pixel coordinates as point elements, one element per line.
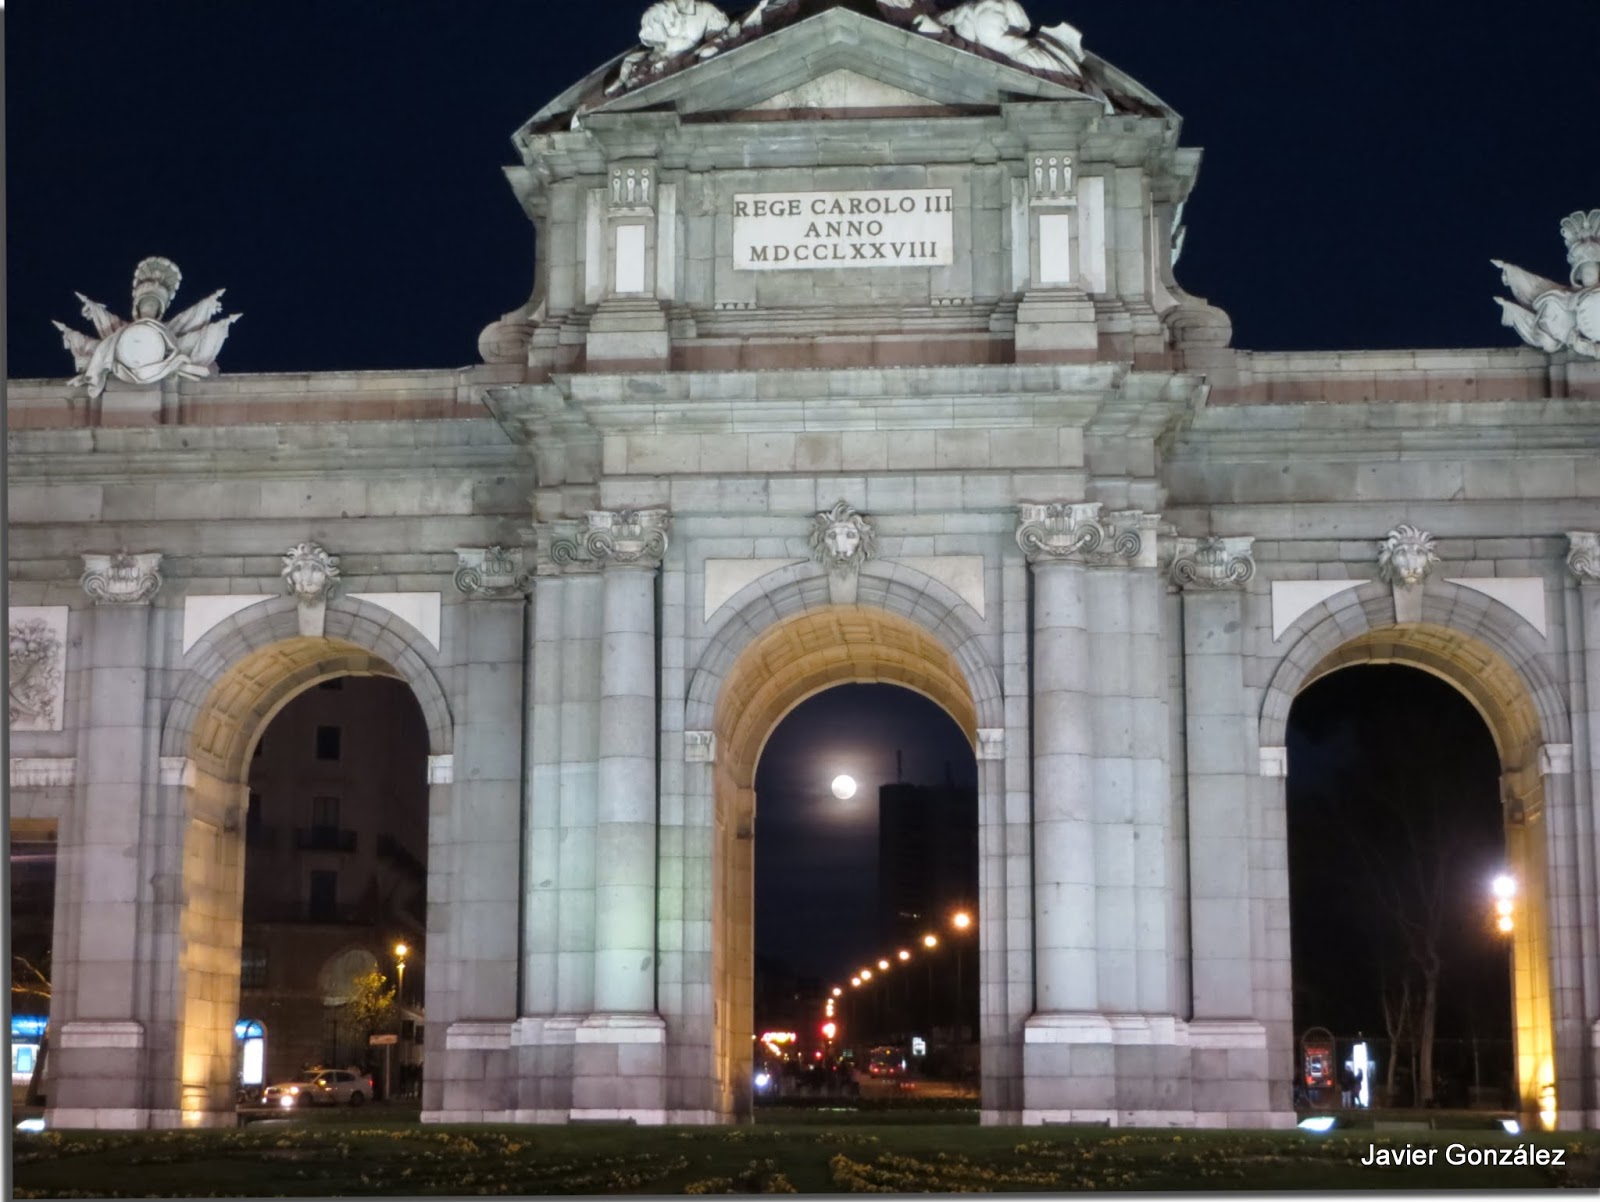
<point>789,662</point>
<point>866,884</point>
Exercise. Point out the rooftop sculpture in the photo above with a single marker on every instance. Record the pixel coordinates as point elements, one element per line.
<point>148,349</point>
<point>1549,315</point>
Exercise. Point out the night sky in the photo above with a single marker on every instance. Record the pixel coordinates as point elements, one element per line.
<point>335,164</point>
<point>817,856</point>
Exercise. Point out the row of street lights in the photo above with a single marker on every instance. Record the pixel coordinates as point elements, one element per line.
<point>961,921</point>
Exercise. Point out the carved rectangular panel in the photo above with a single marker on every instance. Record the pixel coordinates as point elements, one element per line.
<point>38,666</point>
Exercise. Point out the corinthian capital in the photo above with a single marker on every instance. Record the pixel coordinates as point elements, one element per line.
<point>1213,562</point>
<point>617,536</point>
<point>1583,555</point>
<point>1060,531</point>
<point>122,579</point>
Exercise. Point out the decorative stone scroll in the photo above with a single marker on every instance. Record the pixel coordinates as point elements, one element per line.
<point>1583,555</point>
<point>1213,562</point>
<point>1406,556</point>
<point>490,572</point>
<point>311,575</point>
<point>841,540</point>
<point>148,349</point>
<point>1076,533</point>
<point>620,536</point>
<point>122,579</point>
<point>1552,316</point>
<point>1050,179</point>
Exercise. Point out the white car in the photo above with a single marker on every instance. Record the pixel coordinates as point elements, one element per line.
<point>320,1087</point>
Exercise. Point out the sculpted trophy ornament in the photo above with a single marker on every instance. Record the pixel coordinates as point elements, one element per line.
<point>122,579</point>
<point>669,30</point>
<point>1558,318</point>
<point>841,540</point>
<point>1003,26</point>
<point>148,349</point>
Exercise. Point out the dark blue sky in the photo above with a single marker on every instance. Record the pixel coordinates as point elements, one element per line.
<point>335,164</point>
<point>817,856</point>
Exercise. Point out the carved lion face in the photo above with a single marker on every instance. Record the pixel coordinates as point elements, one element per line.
<point>843,540</point>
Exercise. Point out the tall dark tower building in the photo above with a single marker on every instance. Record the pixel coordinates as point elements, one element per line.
<point>927,857</point>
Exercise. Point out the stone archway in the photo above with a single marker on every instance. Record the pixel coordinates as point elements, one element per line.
<point>750,677</point>
<point>1486,653</point>
<point>237,679</point>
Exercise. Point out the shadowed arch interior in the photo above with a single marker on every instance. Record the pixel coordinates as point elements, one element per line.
<point>1507,704</point>
<point>789,661</point>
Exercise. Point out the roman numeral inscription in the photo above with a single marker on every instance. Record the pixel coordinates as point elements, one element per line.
<point>787,231</point>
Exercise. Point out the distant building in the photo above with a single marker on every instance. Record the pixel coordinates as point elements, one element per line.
<point>335,836</point>
<point>927,857</point>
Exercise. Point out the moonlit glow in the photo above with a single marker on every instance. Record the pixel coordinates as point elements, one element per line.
<point>844,787</point>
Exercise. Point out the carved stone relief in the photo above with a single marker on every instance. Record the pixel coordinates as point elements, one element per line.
<point>1549,315</point>
<point>122,579</point>
<point>37,666</point>
<point>841,540</point>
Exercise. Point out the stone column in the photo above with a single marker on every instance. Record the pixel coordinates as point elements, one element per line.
<point>1583,784</point>
<point>96,1015</point>
<point>1063,802</point>
<point>620,1055</point>
<point>1230,1061</point>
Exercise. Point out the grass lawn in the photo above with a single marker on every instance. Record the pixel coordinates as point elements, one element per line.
<point>324,1158</point>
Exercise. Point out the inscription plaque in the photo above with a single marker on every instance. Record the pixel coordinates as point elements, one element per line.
<point>788,231</point>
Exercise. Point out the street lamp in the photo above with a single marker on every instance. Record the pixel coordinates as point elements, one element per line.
<point>1505,892</point>
<point>961,920</point>
<point>930,941</point>
<point>400,953</point>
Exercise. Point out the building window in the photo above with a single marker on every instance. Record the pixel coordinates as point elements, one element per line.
<point>325,813</point>
<point>253,968</point>
<point>324,898</point>
<point>327,742</point>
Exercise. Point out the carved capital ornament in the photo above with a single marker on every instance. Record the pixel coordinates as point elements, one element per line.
<point>490,572</point>
<point>1064,532</point>
<point>1583,555</point>
<point>122,579</point>
<point>1213,562</point>
<point>616,536</point>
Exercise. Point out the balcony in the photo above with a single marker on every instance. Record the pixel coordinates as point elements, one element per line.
<point>323,838</point>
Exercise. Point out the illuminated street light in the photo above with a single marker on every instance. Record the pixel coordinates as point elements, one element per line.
<point>883,966</point>
<point>903,954</point>
<point>837,992</point>
<point>961,920</point>
<point>930,941</point>
<point>856,981</point>
<point>1505,892</point>
<point>866,974</point>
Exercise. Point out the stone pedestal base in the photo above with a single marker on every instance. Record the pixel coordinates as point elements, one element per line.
<point>629,335</point>
<point>1134,1070</point>
<point>619,1068</point>
<point>1056,327</point>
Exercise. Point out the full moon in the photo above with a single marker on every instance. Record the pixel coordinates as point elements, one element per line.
<point>844,787</point>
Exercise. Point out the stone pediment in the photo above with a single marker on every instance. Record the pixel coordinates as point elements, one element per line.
<point>836,54</point>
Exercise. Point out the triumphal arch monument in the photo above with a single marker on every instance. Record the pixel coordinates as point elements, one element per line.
<point>855,352</point>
